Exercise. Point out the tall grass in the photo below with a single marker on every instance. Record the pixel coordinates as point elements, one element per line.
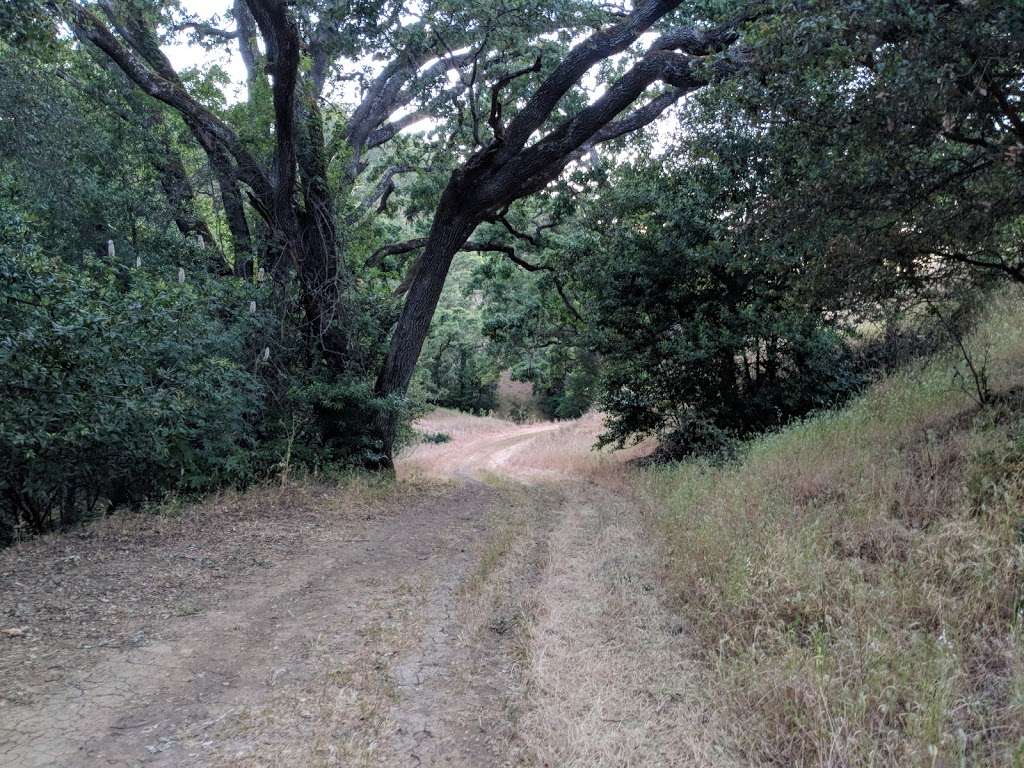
<point>855,581</point>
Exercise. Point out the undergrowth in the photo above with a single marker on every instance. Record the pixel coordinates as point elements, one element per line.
<point>855,580</point>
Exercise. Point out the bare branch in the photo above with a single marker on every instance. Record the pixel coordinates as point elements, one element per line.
<point>406,246</point>
<point>510,254</point>
<point>202,29</point>
<point>533,239</point>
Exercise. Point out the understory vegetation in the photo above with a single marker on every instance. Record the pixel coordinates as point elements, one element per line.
<point>856,580</point>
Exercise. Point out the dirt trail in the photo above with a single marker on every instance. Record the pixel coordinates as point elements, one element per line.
<point>509,618</point>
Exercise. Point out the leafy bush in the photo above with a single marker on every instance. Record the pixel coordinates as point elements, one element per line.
<point>331,420</point>
<point>565,382</point>
<point>702,389</point>
<point>119,385</point>
<point>701,340</point>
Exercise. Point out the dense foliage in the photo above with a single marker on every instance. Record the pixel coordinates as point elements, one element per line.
<point>119,383</point>
<point>838,164</point>
<point>894,136</point>
<point>132,363</point>
<point>701,340</point>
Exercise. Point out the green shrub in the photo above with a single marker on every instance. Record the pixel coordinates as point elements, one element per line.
<point>567,389</point>
<point>335,417</point>
<point>119,385</point>
<point>701,339</point>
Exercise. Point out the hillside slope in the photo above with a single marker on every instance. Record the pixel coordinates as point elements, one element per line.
<point>856,580</point>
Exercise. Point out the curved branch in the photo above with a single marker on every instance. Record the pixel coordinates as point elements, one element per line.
<point>599,46</point>
<point>207,127</point>
<point>494,119</point>
<point>488,246</point>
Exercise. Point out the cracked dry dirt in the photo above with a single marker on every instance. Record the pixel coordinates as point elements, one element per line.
<point>492,608</point>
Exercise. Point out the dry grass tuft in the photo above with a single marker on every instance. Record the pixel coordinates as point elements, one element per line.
<point>857,581</point>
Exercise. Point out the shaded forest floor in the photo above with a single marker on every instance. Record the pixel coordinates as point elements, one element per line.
<point>497,606</point>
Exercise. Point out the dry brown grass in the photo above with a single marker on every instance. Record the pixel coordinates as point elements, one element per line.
<point>610,677</point>
<point>569,451</point>
<point>501,451</point>
<point>572,586</point>
<point>857,581</point>
<point>459,425</point>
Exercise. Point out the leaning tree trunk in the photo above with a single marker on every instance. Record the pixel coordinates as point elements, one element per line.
<point>450,230</point>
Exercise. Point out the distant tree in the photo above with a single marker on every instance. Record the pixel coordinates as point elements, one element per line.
<point>457,367</point>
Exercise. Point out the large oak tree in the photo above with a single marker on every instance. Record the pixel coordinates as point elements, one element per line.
<point>510,79</point>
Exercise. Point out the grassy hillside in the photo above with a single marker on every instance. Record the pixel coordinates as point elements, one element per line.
<point>855,581</point>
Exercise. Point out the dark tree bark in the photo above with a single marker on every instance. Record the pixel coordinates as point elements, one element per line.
<point>234,210</point>
<point>180,195</point>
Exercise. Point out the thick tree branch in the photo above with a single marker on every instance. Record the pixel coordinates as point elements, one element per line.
<point>281,37</point>
<point>599,46</point>
<point>507,169</point>
<point>247,48</point>
<point>638,118</point>
<point>207,127</point>
<point>391,129</point>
